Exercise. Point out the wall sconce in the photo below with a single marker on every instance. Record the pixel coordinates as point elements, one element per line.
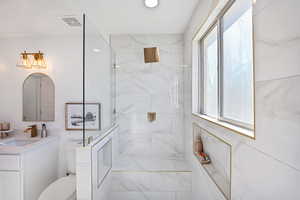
<point>32,60</point>
<point>151,55</point>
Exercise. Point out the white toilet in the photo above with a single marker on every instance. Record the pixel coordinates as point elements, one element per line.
<point>65,187</point>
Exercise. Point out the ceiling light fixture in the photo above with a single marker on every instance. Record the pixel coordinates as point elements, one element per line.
<point>151,3</point>
<point>96,50</point>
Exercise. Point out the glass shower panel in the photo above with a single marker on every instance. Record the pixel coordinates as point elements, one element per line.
<point>99,82</point>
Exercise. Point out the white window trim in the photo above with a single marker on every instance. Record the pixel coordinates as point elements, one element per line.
<point>215,19</point>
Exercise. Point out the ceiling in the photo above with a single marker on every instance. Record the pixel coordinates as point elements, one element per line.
<point>131,16</point>
<point>43,17</point>
<point>34,17</point>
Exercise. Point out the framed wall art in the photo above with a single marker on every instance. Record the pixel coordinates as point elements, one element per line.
<point>74,116</point>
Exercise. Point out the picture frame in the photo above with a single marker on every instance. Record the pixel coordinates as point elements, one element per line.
<point>74,116</point>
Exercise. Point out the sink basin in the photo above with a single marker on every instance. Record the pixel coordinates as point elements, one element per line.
<point>16,142</point>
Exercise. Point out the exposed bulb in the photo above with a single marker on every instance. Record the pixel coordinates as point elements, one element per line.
<point>24,61</point>
<point>151,3</point>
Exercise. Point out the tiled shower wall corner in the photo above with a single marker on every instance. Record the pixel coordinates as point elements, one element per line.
<point>268,167</point>
<point>149,158</point>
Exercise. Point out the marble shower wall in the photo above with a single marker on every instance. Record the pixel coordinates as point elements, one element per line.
<point>268,167</point>
<point>149,153</point>
<point>143,88</point>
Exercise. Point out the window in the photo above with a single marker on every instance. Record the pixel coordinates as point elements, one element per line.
<point>226,67</point>
<point>237,83</point>
<point>210,73</point>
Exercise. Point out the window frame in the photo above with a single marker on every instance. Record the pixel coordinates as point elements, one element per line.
<point>201,67</point>
<point>218,23</point>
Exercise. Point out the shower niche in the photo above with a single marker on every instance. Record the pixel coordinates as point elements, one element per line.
<point>215,156</point>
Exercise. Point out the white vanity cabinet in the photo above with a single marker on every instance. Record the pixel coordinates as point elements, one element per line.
<point>10,185</point>
<point>26,171</point>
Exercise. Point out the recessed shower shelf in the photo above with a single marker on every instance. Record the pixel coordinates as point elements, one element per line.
<point>219,166</point>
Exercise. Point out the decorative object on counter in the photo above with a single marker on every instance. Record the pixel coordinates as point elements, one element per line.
<point>151,116</point>
<point>32,60</point>
<point>5,133</point>
<point>44,132</point>
<point>5,129</point>
<point>32,130</point>
<point>151,55</point>
<point>4,126</point>
<point>74,116</point>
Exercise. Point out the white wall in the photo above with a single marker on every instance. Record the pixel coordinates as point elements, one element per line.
<point>268,167</point>
<point>64,57</point>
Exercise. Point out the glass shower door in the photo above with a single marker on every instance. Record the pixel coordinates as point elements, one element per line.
<point>98,82</point>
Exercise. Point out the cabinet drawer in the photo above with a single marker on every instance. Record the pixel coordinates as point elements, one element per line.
<point>8,162</point>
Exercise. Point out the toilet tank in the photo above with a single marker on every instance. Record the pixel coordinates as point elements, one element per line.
<point>71,155</point>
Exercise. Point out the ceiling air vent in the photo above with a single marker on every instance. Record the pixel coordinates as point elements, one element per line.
<point>71,21</point>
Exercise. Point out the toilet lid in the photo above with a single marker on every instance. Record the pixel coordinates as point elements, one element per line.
<point>62,189</point>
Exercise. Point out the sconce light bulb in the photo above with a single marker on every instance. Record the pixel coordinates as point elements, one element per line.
<point>37,60</point>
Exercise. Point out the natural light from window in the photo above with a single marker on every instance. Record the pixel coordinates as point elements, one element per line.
<point>225,73</point>
<point>210,74</point>
<point>237,66</point>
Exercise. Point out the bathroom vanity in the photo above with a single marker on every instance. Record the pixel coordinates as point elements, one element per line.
<point>27,162</point>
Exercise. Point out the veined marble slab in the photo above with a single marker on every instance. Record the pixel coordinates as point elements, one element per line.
<point>139,181</point>
<point>142,88</point>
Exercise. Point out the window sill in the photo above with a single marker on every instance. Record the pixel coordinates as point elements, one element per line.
<point>236,129</point>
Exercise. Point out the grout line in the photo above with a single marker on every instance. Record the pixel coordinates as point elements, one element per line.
<point>274,158</point>
<point>150,171</point>
<point>278,43</point>
<point>278,79</point>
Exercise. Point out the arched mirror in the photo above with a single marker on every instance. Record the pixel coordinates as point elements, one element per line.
<point>38,98</point>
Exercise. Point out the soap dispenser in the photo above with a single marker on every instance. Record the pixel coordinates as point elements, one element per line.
<point>44,131</point>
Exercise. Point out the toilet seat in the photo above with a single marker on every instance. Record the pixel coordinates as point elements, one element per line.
<point>62,189</point>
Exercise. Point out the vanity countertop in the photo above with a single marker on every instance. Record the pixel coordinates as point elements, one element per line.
<point>20,143</point>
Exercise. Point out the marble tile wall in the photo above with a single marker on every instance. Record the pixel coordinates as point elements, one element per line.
<point>220,154</point>
<point>149,148</point>
<point>268,167</point>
